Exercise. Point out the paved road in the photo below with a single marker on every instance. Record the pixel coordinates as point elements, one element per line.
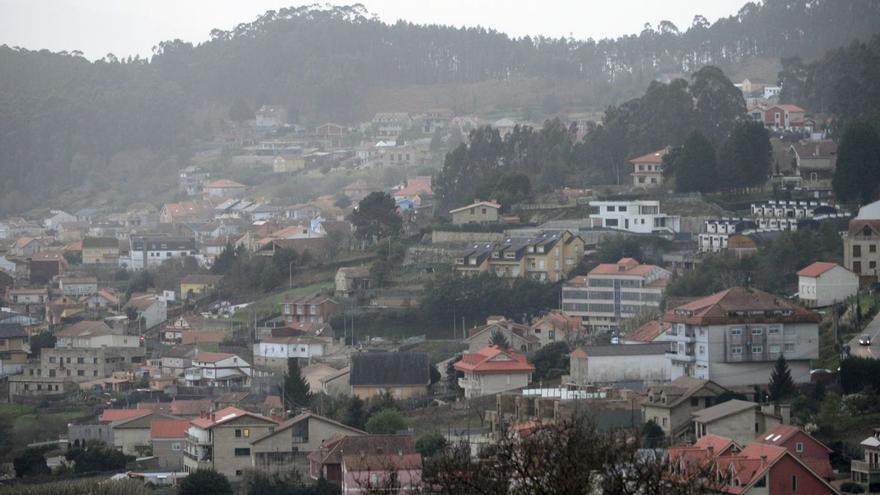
<point>867,351</point>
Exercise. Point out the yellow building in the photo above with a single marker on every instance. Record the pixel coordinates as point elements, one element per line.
<point>198,284</point>
<point>548,256</point>
<point>100,250</point>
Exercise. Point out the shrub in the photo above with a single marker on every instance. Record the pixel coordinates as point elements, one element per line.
<point>851,487</point>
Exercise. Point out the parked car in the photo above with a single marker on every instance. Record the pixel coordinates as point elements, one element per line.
<point>865,340</point>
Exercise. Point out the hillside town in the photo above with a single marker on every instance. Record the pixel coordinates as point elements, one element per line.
<point>426,301</point>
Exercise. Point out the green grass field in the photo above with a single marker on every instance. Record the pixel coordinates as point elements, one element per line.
<point>270,304</point>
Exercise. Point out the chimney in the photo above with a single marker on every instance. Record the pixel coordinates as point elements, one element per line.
<point>763,460</point>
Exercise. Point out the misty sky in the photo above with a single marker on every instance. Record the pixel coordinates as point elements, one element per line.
<point>129,27</point>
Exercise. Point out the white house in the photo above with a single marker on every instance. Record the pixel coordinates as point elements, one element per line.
<point>5,231</point>
<point>152,308</point>
<point>58,217</point>
<point>823,284</point>
<point>641,217</point>
<point>78,286</point>
<point>735,336</point>
<point>149,251</point>
<point>635,365</point>
<point>492,370</point>
<point>277,350</point>
<point>217,369</point>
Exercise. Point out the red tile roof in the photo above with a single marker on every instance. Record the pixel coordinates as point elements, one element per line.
<point>790,108</point>
<point>188,337</point>
<point>113,415</point>
<point>624,266</point>
<point>648,332</point>
<point>168,428</point>
<point>655,157</point>
<point>382,462</point>
<point>816,269</point>
<point>781,434</point>
<point>223,184</point>
<point>494,359</point>
<point>191,407</point>
<point>740,305</point>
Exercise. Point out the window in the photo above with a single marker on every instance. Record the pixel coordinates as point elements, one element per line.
<point>80,360</point>
<point>872,264</point>
<point>799,447</point>
<point>856,251</point>
<point>737,349</point>
<point>758,331</point>
<point>610,208</point>
<point>175,446</point>
<point>243,451</point>
<point>611,222</point>
<point>774,349</point>
<point>773,330</point>
<point>857,267</point>
<point>757,349</point>
<point>695,402</point>
<point>794,483</point>
<point>872,248</point>
<point>237,433</point>
<point>80,373</point>
<point>736,332</point>
<point>51,359</point>
<point>789,348</point>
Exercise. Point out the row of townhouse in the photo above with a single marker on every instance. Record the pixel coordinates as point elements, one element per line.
<point>548,256</point>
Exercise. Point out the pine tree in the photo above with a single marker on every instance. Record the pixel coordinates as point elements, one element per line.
<point>295,389</point>
<point>355,415</point>
<point>781,383</point>
<point>500,340</point>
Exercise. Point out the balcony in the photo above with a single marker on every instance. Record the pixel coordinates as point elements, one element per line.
<point>682,358</point>
<point>467,384</point>
<point>865,467</point>
<point>687,338</point>
<point>193,374</point>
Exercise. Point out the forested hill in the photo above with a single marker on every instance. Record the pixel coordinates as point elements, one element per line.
<point>65,121</point>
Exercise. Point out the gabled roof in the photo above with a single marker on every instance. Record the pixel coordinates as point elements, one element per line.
<point>382,462</point>
<point>284,426</point>
<point>224,184</point>
<point>168,428</point>
<point>225,415</point>
<point>390,368</point>
<point>189,407</point>
<point>493,359</point>
<point>85,328</point>
<point>722,410</point>
<point>655,157</point>
<point>212,357</point>
<point>816,269</point>
<point>682,389</point>
<point>780,434</point>
<point>332,450</point>
<point>488,204</point>
<point>648,332</point>
<point>113,415</point>
<point>788,107</point>
<point>740,305</point>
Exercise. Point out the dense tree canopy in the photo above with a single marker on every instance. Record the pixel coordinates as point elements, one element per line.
<point>376,218</point>
<point>744,159</point>
<point>123,126</point>
<point>695,169</point>
<point>857,175</point>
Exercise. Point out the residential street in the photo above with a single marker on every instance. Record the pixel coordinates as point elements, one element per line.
<point>871,351</point>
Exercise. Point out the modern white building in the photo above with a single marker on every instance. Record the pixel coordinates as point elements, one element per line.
<point>150,251</point>
<point>641,217</point>
<point>716,231</point>
<point>612,292</point>
<point>735,336</point>
<point>631,365</point>
<point>823,284</point>
<point>277,350</point>
<point>217,369</point>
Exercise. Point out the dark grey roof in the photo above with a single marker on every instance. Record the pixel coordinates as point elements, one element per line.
<point>11,330</point>
<point>626,349</point>
<point>389,368</point>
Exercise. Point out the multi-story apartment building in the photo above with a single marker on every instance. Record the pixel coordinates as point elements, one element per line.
<point>150,251</point>
<point>14,348</point>
<point>612,292</point>
<point>860,253</point>
<point>221,441</point>
<point>274,352</point>
<point>641,217</point>
<point>550,256</point>
<point>309,309</point>
<point>734,337</point>
<point>94,335</point>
